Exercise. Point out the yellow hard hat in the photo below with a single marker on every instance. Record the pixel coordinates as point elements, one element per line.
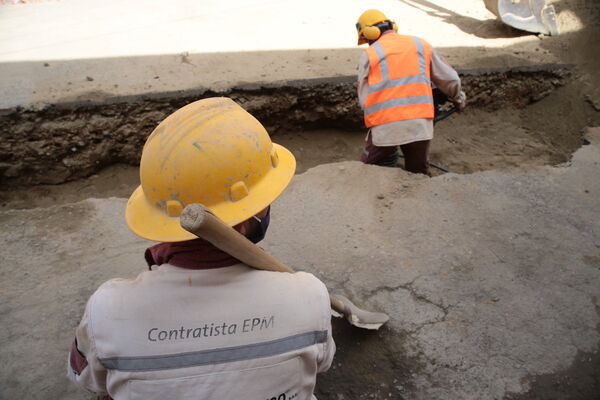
<point>366,25</point>
<point>211,152</point>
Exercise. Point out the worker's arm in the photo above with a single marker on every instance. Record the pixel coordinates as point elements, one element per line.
<point>327,350</point>
<point>445,78</point>
<point>84,368</point>
<point>363,75</point>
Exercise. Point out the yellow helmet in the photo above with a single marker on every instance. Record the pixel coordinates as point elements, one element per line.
<point>211,152</point>
<point>367,28</point>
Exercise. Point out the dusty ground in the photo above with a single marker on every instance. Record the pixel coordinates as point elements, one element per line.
<point>491,276</point>
<point>488,136</point>
<point>491,279</point>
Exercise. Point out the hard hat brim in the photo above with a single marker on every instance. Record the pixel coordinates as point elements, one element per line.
<point>150,222</point>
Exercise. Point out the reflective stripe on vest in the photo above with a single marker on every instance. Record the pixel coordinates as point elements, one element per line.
<point>215,356</point>
<point>399,80</point>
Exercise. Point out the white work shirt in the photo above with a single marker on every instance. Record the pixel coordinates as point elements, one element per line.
<point>226,333</point>
<point>396,133</point>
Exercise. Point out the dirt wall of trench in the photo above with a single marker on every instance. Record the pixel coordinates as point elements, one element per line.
<point>64,142</point>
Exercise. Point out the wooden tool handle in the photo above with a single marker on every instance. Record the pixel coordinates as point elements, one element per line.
<point>198,220</point>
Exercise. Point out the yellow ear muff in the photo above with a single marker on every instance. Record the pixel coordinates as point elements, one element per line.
<point>371,32</point>
<point>394,26</point>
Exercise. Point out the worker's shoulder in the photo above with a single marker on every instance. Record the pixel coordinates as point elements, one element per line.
<point>308,277</point>
<point>114,286</point>
<point>301,288</point>
<point>413,37</point>
<point>426,42</point>
<point>296,278</point>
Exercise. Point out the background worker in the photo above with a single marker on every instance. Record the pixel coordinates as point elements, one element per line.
<point>201,324</point>
<point>395,77</point>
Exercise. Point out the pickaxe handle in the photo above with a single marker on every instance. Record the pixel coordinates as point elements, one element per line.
<point>198,220</point>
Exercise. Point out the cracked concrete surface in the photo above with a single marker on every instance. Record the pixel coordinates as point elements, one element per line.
<point>491,275</point>
<point>491,280</point>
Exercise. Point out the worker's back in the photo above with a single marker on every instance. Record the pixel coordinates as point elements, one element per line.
<point>225,333</point>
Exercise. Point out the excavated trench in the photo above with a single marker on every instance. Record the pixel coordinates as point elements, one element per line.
<point>516,119</point>
<point>66,152</point>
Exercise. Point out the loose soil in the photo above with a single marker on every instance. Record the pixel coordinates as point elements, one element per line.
<point>484,137</point>
<point>69,141</point>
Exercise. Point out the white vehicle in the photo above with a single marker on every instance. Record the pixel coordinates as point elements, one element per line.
<point>528,15</point>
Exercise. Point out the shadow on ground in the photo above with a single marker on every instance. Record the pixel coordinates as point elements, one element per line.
<point>382,353</point>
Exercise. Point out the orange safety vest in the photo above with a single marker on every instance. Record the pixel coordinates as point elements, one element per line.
<point>399,80</point>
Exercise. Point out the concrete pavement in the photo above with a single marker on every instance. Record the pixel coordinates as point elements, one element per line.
<point>491,280</point>
<point>79,50</point>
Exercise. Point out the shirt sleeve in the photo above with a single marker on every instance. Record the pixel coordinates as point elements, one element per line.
<point>363,75</point>
<point>328,352</point>
<point>84,368</point>
<point>328,348</point>
<point>445,78</point>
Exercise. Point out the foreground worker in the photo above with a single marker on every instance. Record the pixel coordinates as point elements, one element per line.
<point>395,77</point>
<point>201,324</point>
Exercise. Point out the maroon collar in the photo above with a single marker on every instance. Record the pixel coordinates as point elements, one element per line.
<point>191,254</point>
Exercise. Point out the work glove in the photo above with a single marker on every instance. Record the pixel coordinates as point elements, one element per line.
<point>461,102</point>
